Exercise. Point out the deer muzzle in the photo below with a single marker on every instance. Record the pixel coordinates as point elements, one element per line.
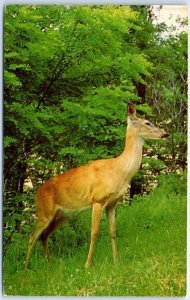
<point>165,135</point>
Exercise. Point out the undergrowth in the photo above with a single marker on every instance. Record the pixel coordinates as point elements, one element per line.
<point>151,237</point>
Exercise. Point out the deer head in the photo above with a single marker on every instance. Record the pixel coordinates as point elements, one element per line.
<point>142,127</point>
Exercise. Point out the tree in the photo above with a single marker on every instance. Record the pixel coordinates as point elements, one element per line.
<point>59,66</point>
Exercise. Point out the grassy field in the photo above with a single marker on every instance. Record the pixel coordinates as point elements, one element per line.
<point>151,238</point>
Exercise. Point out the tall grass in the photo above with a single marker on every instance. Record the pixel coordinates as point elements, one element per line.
<point>151,238</point>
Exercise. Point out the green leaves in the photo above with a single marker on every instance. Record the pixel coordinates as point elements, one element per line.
<point>8,140</point>
<point>11,80</point>
<point>69,72</point>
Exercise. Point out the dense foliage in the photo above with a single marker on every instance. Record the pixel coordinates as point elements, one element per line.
<point>68,73</point>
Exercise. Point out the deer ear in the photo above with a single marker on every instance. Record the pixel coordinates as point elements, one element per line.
<point>131,111</point>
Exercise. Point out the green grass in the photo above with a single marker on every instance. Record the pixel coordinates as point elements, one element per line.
<point>151,238</point>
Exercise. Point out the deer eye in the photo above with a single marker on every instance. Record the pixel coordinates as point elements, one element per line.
<point>148,123</point>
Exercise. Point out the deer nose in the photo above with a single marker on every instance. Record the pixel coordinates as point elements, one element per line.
<point>165,135</point>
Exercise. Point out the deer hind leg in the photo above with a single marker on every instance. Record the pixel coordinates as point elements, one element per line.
<point>110,214</point>
<point>96,217</point>
<point>39,228</point>
<point>58,220</point>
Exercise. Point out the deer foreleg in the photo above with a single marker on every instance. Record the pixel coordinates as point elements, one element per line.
<point>96,217</point>
<point>110,214</point>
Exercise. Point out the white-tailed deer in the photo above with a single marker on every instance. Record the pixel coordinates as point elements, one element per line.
<point>99,184</point>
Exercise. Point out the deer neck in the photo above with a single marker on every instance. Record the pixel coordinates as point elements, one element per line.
<point>131,158</point>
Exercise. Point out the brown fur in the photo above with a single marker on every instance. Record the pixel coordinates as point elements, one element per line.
<point>99,184</point>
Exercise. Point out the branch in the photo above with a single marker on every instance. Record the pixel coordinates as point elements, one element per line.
<point>7,241</point>
<point>58,72</point>
<point>14,165</point>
